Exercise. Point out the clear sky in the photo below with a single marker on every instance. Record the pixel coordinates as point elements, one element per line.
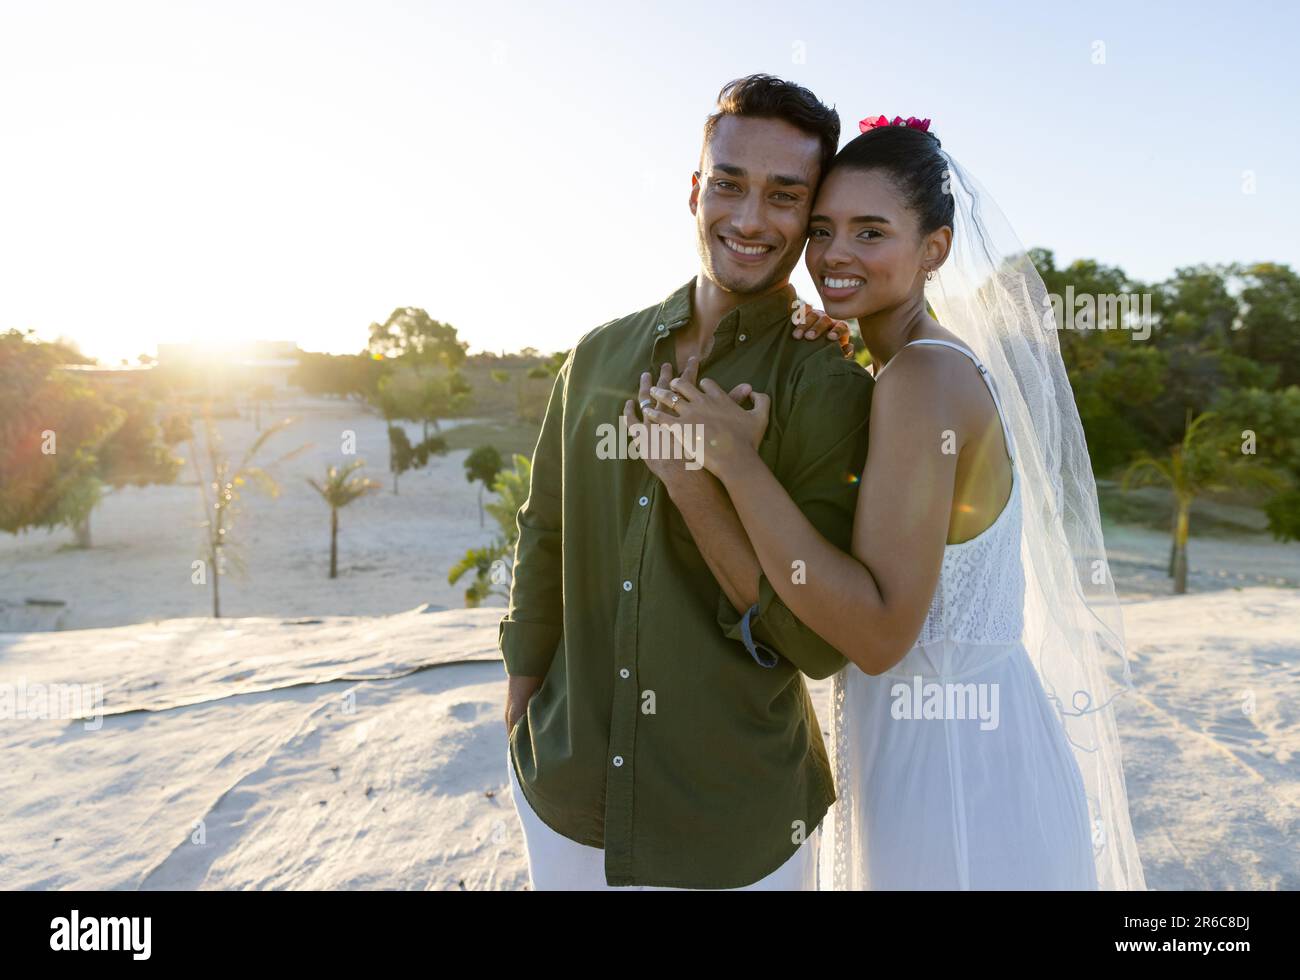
<point>230,170</point>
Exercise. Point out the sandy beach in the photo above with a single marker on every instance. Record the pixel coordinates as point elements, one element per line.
<point>348,733</point>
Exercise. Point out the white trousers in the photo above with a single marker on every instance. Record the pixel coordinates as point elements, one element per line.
<point>556,863</point>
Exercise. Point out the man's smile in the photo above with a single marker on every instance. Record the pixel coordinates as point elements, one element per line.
<point>744,252</point>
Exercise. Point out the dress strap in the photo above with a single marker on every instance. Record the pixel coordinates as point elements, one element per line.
<point>984,373</point>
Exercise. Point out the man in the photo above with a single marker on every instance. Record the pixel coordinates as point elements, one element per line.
<point>658,738</point>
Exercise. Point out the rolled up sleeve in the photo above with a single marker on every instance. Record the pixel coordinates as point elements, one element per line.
<point>534,623</point>
<point>820,462</point>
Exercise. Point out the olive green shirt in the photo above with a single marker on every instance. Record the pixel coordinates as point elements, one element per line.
<point>657,733</point>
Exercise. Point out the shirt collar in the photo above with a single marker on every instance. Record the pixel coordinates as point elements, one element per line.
<point>675,310</point>
<point>748,318</point>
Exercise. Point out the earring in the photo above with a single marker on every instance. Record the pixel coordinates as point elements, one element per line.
<point>929,275</point>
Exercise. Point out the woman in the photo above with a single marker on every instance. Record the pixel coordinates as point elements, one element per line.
<point>974,739</point>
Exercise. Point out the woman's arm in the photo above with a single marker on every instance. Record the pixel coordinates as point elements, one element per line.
<point>870,604</point>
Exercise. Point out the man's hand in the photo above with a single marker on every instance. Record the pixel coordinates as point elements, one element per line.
<point>711,416</point>
<point>673,472</point>
<point>519,691</point>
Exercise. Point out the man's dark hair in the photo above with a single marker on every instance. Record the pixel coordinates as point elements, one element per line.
<point>769,97</point>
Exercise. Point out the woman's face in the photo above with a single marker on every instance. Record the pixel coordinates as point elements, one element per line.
<point>865,251</point>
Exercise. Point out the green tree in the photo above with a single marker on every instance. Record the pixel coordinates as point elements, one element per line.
<point>52,429</point>
<point>1268,329</point>
<point>441,397</point>
<point>339,489</point>
<point>1269,423</point>
<point>135,454</point>
<point>412,341</point>
<point>404,456</point>
<point>489,564</point>
<point>1115,377</point>
<point>401,397</point>
<point>413,337</point>
<point>354,376</point>
<point>482,465</point>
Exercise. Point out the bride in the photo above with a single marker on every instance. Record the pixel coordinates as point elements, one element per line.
<point>974,740</point>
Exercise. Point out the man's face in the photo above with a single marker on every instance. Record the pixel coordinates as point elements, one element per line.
<point>751,201</point>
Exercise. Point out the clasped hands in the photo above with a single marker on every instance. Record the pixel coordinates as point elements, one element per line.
<point>709,427</point>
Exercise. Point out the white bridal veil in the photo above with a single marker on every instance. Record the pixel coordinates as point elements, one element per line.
<point>990,295</point>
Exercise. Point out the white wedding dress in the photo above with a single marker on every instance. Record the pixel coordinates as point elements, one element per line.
<point>953,770</point>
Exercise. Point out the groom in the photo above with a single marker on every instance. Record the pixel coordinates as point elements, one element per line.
<point>658,737</point>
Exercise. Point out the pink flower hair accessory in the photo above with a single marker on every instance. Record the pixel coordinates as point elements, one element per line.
<point>911,122</point>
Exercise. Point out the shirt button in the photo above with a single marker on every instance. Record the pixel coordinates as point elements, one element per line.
<point>643,501</point>
<point>661,328</point>
<point>742,338</point>
<point>627,586</point>
<point>624,673</point>
<point>618,760</point>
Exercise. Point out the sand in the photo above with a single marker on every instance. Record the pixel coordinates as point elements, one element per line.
<point>349,733</point>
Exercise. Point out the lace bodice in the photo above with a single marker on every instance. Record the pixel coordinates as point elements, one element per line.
<point>980,597</point>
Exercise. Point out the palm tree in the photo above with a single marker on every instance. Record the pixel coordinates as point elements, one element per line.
<point>225,482</point>
<point>340,489</point>
<point>1201,463</point>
